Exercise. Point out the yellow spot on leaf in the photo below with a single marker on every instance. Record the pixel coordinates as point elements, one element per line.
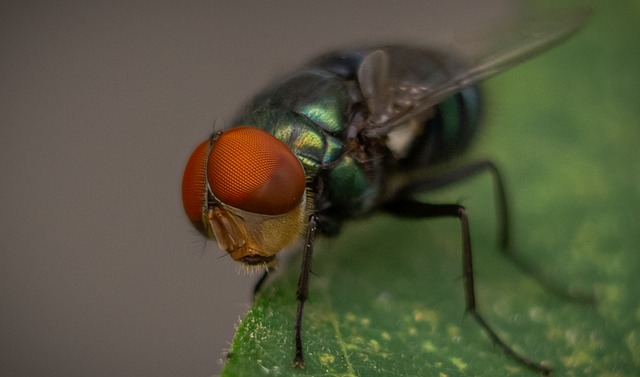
<point>326,359</point>
<point>375,346</point>
<point>422,315</point>
<point>453,332</point>
<point>428,346</point>
<point>461,365</point>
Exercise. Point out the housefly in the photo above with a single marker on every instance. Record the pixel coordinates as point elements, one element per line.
<point>354,132</point>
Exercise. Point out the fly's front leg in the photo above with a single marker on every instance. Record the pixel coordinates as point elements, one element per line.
<point>303,290</point>
<point>414,209</point>
<point>260,283</point>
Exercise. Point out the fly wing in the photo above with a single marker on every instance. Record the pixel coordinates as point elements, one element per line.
<point>404,83</point>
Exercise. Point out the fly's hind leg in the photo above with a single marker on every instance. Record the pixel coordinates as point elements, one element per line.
<point>413,209</point>
<point>504,231</point>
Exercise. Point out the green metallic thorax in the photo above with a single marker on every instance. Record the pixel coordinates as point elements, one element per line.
<point>309,112</point>
<point>320,114</point>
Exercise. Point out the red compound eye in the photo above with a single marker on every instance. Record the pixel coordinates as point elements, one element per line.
<point>251,170</point>
<point>193,187</point>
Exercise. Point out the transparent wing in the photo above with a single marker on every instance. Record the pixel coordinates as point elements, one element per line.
<point>403,83</point>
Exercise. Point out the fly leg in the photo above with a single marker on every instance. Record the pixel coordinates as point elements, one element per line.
<point>303,289</point>
<point>504,231</point>
<point>468,171</point>
<point>262,280</point>
<point>410,208</point>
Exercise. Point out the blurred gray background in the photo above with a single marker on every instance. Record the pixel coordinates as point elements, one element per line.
<point>101,104</point>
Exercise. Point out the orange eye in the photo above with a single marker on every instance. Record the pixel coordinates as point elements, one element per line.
<point>193,186</point>
<point>251,170</point>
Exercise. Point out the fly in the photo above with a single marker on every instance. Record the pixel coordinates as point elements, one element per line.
<point>354,132</point>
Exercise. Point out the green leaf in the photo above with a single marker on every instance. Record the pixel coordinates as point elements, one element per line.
<point>386,296</point>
